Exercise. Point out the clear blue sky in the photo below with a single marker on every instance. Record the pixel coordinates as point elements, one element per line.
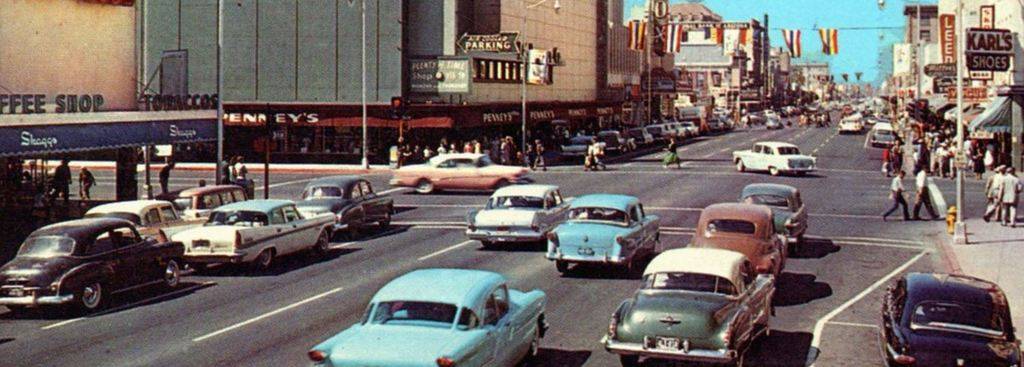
<point>858,49</point>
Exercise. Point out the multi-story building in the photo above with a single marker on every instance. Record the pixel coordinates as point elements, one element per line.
<point>458,64</point>
<point>921,34</point>
<point>778,76</point>
<point>814,77</point>
<point>1006,15</point>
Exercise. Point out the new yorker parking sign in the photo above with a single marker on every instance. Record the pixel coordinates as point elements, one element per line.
<point>505,42</point>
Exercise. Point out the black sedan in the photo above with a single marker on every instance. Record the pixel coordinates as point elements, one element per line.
<point>350,199</point>
<point>82,262</point>
<point>940,320</point>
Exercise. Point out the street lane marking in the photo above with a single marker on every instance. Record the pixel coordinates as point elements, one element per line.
<point>130,305</point>
<point>813,352</point>
<point>392,190</point>
<point>870,239</point>
<point>266,315</point>
<point>661,208</point>
<point>854,324</point>
<point>444,250</point>
<point>428,223</point>
<point>876,244</point>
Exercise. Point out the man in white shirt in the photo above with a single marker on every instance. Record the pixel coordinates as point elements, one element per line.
<point>923,196</point>
<point>896,193</point>
<point>1008,195</point>
<point>992,186</point>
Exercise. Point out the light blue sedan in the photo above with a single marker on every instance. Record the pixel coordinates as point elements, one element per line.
<point>441,317</point>
<point>604,229</point>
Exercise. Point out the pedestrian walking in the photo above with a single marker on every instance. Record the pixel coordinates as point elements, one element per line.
<point>992,187</point>
<point>165,176</point>
<point>896,194</point>
<point>538,148</point>
<point>672,156</point>
<point>506,150</point>
<point>978,163</point>
<point>923,195</point>
<point>990,158</point>
<point>62,180</point>
<point>85,183</point>
<point>886,160</point>
<point>1009,194</point>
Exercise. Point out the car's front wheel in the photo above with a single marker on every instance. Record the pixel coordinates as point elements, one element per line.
<point>91,297</point>
<point>424,186</point>
<point>386,222</point>
<point>561,266</point>
<point>323,244</point>
<point>740,167</point>
<point>172,274</point>
<point>629,360</point>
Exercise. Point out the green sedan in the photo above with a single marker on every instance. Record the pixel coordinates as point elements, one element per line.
<point>787,207</point>
<point>696,304</point>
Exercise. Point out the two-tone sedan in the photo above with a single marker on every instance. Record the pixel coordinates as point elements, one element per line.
<point>745,228</point>
<point>255,232</point>
<point>459,171</point>
<point>775,157</point>
<point>153,218</point>
<point>83,262</point>
<point>787,209</point>
<point>441,317</point>
<point>933,319</point>
<point>604,229</point>
<point>515,214</point>
<point>698,305</point>
<point>350,199</point>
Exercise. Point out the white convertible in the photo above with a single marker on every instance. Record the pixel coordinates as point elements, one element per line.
<point>255,231</point>
<point>774,157</point>
<point>521,213</point>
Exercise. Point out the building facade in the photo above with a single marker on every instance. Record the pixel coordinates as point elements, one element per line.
<point>815,78</point>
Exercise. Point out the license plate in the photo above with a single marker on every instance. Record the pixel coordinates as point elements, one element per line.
<point>16,292</point>
<point>201,243</point>
<point>585,251</point>
<point>667,343</point>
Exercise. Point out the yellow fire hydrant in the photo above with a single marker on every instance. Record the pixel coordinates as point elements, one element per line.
<point>950,219</point>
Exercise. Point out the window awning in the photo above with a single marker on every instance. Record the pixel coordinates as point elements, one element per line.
<point>996,118</point>
<point>25,135</point>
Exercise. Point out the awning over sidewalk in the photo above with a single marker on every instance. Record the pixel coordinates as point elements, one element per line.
<point>996,118</point>
<point>24,135</point>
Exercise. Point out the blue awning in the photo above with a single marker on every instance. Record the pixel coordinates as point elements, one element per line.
<point>100,131</point>
<point>997,117</point>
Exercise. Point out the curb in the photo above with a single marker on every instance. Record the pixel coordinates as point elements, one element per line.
<point>944,244</point>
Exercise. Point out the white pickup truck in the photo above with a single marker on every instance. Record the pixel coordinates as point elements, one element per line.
<point>774,157</point>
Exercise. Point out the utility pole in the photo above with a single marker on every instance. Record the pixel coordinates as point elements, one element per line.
<point>220,94</point>
<point>649,44</point>
<point>960,228</point>
<point>365,161</point>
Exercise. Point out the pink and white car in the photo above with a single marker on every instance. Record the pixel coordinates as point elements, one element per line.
<point>460,171</point>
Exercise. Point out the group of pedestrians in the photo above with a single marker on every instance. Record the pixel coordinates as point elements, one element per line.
<point>923,197</point>
<point>1002,191</point>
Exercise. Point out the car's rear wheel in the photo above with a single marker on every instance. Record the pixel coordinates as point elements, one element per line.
<point>740,167</point>
<point>487,245</point>
<point>323,244</point>
<point>561,266</point>
<point>91,297</point>
<point>15,309</point>
<point>424,186</point>
<point>264,260</point>
<point>386,222</point>
<point>629,360</point>
<point>172,274</point>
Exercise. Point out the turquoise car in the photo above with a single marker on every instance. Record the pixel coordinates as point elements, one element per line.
<point>604,229</point>
<point>441,318</point>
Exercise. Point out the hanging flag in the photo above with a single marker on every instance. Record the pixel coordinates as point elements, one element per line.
<point>637,34</point>
<point>829,41</point>
<point>715,33</point>
<point>674,37</point>
<point>792,39</point>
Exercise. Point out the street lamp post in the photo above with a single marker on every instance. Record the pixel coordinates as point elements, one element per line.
<point>220,94</point>
<point>959,228</point>
<point>365,161</point>
<point>526,62</point>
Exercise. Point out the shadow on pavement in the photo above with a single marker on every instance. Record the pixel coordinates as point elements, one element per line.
<point>814,248</point>
<point>547,357</point>
<point>516,247</point>
<point>6,340</point>
<point>597,271</point>
<point>119,302</point>
<point>780,349</point>
<point>796,289</point>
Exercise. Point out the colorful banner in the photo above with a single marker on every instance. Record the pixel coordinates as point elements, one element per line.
<point>674,37</point>
<point>792,39</point>
<point>637,35</point>
<point>829,41</point>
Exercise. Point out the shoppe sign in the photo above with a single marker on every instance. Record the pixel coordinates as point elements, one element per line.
<point>989,49</point>
<point>505,42</point>
<point>434,76</point>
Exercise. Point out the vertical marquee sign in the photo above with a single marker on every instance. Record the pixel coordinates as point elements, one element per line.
<point>947,38</point>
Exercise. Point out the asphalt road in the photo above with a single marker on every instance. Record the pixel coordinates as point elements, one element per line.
<point>827,301</point>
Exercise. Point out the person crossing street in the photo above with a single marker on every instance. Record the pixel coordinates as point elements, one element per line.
<point>896,194</point>
<point>923,195</point>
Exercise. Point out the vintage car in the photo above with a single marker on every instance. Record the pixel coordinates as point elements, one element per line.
<point>255,232</point>
<point>459,171</point>
<point>774,157</point>
<point>881,135</point>
<point>197,202</point>
<point>577,147</point>
<point>691,128</point>
<point>853,124</point>
<point>773,123</point>
<point>604,229</point>
<point>787,208</point>
<point>153,218</point>
<point>641,136</point>
<point>83,262</point>
<point>520,213</point>
<point>933,319</point>
<point>350,199</point>
<point>698,305</point>
<point>745,228</point>
<point>441,317</point>
<point>615,141</point>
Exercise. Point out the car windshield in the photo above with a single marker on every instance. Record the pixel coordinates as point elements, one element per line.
<point>416,313</point>
<point>47,246</point>
<point>788,151</point>
<point>770,200</point>
<point>602,214</point>
<point>245,218</point>
<point>183,203</point>
<point>322,192</point>
<point>581,140</point>
<point>119,215</point>
<point>513,202</point>
<point>957,318</point>
<point>730,226</point>
<point>689,282</point>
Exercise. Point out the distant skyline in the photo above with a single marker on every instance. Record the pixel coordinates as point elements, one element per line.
<point>858,48</point>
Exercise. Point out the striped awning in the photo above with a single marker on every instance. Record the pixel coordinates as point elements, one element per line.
<point>996,118</point>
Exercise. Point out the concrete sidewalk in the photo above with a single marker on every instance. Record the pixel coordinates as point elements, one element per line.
<point>991,254</point>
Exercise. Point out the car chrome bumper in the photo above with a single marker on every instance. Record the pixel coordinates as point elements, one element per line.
<point>215,258</point>
<point>36,300</point>
<point>505,236</point>
<point>580,259</point>
<point>696,355</point>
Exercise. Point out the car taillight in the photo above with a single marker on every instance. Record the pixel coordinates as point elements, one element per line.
<point>317,356</point>
<point>903,359</point>
<point>238,239</point>
<point>445,362</point>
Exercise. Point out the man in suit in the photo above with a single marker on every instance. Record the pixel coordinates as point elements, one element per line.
<point>1008,195</point>
<point>992,186</point>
